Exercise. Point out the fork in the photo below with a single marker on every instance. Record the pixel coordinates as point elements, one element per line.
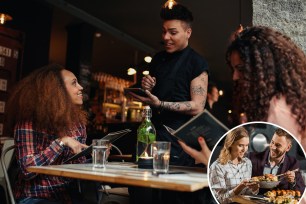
<point>285,173</point>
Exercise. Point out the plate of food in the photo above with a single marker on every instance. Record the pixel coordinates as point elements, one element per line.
<point>275,193</point>
<point>267,181</point>
<point>283,196</point>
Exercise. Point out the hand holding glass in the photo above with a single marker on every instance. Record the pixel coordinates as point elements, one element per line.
<point>100,150</point>
<point>161,157</point>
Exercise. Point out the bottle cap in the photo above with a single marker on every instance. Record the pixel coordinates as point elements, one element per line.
<point>147,112</point>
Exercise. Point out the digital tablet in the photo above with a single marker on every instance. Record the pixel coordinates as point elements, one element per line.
<point>138,91</point>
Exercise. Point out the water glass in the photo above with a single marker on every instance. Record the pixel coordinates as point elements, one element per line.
<point>161,157</point>
<point>100,150</point>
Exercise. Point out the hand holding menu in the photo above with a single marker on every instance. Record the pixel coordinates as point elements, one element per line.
<point>112,137</point>
<point>204,124</point>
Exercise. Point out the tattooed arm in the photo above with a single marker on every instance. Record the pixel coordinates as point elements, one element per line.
<point>198,94</point>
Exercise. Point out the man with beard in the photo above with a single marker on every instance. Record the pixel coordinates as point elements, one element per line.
<point>275,160</point>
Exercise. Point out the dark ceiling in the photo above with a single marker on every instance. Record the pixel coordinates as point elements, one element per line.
<point>138,30</point>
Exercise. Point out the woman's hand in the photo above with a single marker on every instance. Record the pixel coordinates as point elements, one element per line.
<point>240,186</point>
<point>148,82</point>
<point>254,186</point>
<point>199,156</point>
<point>75,145</point>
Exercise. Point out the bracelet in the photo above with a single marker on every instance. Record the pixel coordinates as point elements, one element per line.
<point>162,105</point>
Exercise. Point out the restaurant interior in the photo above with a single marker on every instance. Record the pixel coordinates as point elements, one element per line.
<point>101,40</point>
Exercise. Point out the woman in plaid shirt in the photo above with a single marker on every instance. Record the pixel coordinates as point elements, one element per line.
<point>48,122</point>
<point>230,173</point>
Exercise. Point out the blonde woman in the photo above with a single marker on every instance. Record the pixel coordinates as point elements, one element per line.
<point>230,173</point>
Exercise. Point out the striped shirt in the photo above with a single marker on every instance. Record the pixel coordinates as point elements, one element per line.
<point>224,178</point>
<point>38,148</point>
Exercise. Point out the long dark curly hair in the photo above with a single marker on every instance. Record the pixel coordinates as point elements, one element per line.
<point>273,66</point>
<point>42,98</point>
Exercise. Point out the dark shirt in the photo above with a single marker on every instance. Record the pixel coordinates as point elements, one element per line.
<point>174,73</point>
<point>259,160</point>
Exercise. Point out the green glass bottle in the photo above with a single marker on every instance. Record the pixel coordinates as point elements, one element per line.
<point>146,135</point>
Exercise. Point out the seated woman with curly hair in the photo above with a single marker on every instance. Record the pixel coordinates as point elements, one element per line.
<point>48,123</point>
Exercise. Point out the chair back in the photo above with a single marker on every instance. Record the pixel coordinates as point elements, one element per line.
<point>6,159</point>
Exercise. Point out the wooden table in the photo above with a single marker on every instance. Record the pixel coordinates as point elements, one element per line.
<point>192,179</point>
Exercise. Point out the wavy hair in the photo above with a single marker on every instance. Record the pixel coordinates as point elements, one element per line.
<point>273,66</point>
<point>42,98</point>
<point>231,137</point>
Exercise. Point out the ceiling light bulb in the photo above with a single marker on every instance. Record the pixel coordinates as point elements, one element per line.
<point>98,35</point>
<point>170,4</point>
<point>148,59</point>
<point>146,72</point>
<point>220,92</point>
<point>131,71</point>
<point>5,17</point>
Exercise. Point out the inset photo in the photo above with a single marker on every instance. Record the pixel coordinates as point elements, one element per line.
<point>257,162</point>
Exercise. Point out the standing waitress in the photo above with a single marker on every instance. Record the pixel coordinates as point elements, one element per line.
<point>177,90</point>
<point>177,87</point>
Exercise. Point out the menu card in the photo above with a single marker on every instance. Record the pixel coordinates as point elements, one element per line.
<point>112,137</point>
<point>204,124</point>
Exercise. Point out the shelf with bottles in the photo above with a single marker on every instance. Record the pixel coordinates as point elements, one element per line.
<point>114,106</point>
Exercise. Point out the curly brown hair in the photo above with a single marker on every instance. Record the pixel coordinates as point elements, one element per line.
<point>273,66</point>
<point>42,98</point>
<point>233,136</point>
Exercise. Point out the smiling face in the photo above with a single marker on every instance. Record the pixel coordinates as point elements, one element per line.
<point>73,87</point>
<point>279,145</point>
<point>176,34</point>
<point>239,148</point>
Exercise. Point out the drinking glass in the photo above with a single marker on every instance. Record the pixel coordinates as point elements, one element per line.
<point>100,150</point>
<point>161,157</point>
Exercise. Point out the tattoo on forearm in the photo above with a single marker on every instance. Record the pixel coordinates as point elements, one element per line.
<point>188,105</point>
<point>167,105</point>
<point>175,106</point>
<point>172,106</point>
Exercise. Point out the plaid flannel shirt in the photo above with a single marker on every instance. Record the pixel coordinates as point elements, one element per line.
<point>224,178</point>
<point>38,148</point>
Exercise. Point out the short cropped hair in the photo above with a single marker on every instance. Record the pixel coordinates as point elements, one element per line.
<point>177,12</point>
<point>282,133</point>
